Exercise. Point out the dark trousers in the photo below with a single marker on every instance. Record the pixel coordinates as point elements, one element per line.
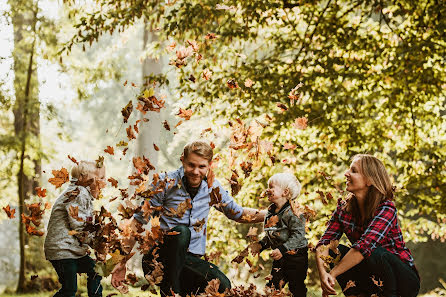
<point>382,273</point>
<point>67,270</point>
<point>291,269</point>
<point>184,273</point>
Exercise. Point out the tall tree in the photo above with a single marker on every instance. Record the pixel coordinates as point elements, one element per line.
<point>24,15</point>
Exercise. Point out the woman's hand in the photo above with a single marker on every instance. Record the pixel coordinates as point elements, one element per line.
<point>327,283</point>
<point>276,254</point>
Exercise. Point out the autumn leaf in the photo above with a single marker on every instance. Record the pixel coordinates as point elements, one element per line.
<point>71,195</point>
<point>33,231</point>
<point>378,283</point>
<point>127,111</point>
<point>300,123</point>
<point>99,162</point>
<point>166,125</point>
<point>282,107</point>
<point>40,192</point>
<point>194,45</point>
<point>289,146</point>
<point>207,74</point>
<point>60,177</point>
<point>212,288</point>
<point>130,133</point>
<point>350,284</point>
<point>232,84</point>
<point>248,83</point>
<point>199,225</point>
<point>181,209</point>
<point>73,160</point>
<point>9,212</point>
<point>172,233</point>
<point>215,197</point>
<point>293,95</point>
<point>113,181</point>
<point>291,252</point>
<point>122,143</point>
<point>73,211</point>
<point>185,113</point>
<point>272,221</point>
<point>210,178</point>
<point>243,254</point>
<point>211,36</point>
<point>109,150</point>
<point>252,233</point>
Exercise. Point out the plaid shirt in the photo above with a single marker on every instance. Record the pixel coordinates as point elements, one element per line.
<point>382,230</point>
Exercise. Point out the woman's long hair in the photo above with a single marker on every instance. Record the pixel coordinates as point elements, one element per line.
<point>380,188</point>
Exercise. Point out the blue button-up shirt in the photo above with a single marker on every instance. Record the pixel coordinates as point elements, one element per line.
<point>172,196</point>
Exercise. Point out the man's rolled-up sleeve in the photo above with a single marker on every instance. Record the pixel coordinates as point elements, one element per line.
<point>229,207</point>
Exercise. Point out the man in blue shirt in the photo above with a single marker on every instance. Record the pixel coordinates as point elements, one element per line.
<point>181,253</point>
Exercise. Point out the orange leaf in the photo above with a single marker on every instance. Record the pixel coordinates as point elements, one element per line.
<point>113,181</point>
<point>300,123</point>
<point>156,147</point>
<point>9,212</point>
<point>272,221</point>
<point>73,160</point>
<point>41,192</point>
<point>60,177</point>
<point>185,113</point>
<point>109,150</point>
<point>127,110</point>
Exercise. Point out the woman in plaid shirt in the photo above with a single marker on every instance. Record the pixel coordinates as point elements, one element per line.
<point>378,262</point>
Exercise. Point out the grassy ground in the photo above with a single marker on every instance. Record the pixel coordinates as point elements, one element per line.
<point>135,292</point>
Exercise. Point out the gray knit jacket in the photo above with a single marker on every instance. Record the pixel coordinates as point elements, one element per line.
<point>58,243</point>
<point>289,232</point>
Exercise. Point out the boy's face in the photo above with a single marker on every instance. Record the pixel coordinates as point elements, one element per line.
<point>98,182</point>
<point>275,192</point>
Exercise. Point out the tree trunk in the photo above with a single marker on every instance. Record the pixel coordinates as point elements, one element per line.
<point>26,110</point>
<point>150,132</point>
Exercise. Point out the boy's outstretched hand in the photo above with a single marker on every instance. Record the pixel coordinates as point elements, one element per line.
<point>276,254</point>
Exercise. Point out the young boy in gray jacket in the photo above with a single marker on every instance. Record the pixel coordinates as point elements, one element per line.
<point>286,237</point>
<point>71,212</point>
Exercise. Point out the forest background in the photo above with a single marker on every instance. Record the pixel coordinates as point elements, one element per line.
<point>275,85</point>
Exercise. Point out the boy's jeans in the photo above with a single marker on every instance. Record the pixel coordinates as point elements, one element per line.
<point>67,270</point>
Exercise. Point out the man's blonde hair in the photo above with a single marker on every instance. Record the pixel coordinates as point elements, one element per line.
<point>287,181</point>
<point>85,169</point>
<point>199,147</point>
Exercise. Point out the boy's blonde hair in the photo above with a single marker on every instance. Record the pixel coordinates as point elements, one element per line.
<point>85,169</point>
<point>287,181</point>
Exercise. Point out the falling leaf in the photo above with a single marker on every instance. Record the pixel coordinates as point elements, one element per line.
<point>185,113</point>
<point>127,111</point>
<point>199,225</point>
<point>73,160</point>
<point>166,125</point>
<point>122,143</point>
<point>109,150</point>
<point>71,195</point>
<point>289,146</point>
<point>192,78</point>
<point>252,232</point>
<point>232,84</point>
<point>211,36</point>
<point>73,211</point>
<point>194,45</point>
<point>272,221</point>
<point>248,83</point>
<point>113,181</point>
<point>40,192</point>
<point>60,177</point>
<point>33,277</point>
<point>210,178</point>
<point>207,74</point>
<point>100,162</point>
<point>300,123</point>
<point>282,107</point>
<point>156,147</point>
<point>212,288</point>
<point>9,212</point>
<point>294,95</point>
<point>181,209</point>
<point>130,134</point>
<point>378,283</point>
<point>33,231</point>
<point>350,284</point>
